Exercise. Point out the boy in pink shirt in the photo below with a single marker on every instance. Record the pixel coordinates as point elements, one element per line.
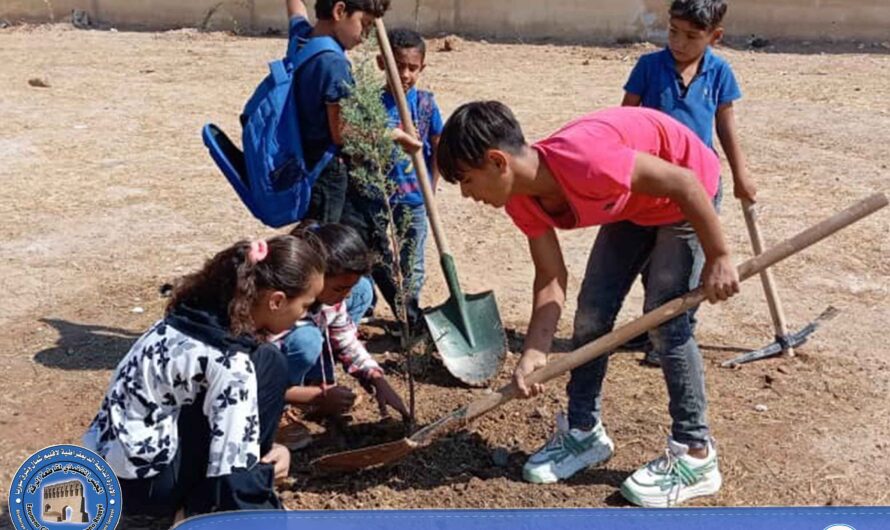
<point>649,181</point>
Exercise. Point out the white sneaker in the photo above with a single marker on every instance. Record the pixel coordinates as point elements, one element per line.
<point>673,478</point>
<point>567,452</point>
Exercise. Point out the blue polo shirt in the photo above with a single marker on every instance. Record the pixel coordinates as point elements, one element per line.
<point>656,80</point>
<point>428,122</point>
<point>325,78</point>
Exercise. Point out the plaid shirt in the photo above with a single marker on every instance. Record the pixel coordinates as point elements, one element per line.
<point>341,337</point>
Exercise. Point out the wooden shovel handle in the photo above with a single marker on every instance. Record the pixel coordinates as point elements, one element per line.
<point>677,306</point>
<point>423,177</point>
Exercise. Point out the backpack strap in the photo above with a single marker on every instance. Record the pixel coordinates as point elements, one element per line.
<point>313,47</point>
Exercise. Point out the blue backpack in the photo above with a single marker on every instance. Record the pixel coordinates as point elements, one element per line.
<point>270,174</point>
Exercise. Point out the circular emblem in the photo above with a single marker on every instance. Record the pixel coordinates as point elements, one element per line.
<point>65,487</point>
<point>839,527</point>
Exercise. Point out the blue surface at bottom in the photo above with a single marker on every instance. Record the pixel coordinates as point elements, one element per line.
<point>830,518</point>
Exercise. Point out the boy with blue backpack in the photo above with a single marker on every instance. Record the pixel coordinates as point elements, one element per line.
<point>319,86</point>
<point>290,166</point>
<point>409,210</point>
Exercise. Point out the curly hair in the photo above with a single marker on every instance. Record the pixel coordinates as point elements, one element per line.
<point>229,282</point>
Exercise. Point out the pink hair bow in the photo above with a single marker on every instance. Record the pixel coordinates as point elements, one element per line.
<point>258,251</point>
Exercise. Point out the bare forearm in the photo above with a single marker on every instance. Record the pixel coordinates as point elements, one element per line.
<point>548,303</point>
<point>296,8</point>
<point>729,140</point>
<point>302,395</point>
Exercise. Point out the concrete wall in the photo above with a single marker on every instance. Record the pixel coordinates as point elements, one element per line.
<point>574,20</point>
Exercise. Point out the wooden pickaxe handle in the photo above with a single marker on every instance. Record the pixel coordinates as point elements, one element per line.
<point>766,278</point>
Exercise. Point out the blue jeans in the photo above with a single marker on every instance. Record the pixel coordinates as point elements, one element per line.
<point>619,254</point>
<point>412,219</point>
<point>304,344</point>
<point>645,342</point>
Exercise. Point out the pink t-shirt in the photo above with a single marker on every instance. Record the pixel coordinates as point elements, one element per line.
<point>592,158</point>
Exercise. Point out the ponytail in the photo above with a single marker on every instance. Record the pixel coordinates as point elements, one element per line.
<point>229,282</point>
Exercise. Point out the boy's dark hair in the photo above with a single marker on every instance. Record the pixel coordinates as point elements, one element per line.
<point>345,251</point>
<point>229,282</point>
<point>406,39</point>
<point>324,9</point>
<point>473,129</point>
<point>706,14</point>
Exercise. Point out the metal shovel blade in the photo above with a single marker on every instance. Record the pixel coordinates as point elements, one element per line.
<point>467,330</point>
<point>469,336</point>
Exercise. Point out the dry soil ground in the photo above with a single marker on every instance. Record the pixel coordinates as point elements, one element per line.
<point>108,192</point>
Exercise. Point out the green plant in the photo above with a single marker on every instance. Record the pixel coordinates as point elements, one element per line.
<point>367,140</point>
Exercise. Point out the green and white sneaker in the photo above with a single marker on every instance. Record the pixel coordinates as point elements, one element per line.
<point>673,478</point>
<point>567,452</point>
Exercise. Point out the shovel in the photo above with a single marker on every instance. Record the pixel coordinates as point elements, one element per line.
<point>466,329</point>
<point>390,452</point>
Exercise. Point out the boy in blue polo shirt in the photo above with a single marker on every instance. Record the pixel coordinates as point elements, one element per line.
<point>409,51</point>
<point>321,84</point>
<point>688,81</point>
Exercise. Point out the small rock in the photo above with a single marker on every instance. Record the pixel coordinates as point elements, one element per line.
<point>885,45</point>
<point>783,370</point>
<point>540,412</point>
<point>450,43</point>
<point>113,30</point>
<point>38,82</point>
<point>4,23</point>
<point>586,62</point>
<point>761,407</point>
<point>500,457</point>
<point>137,310</point>
<point>768,380</point>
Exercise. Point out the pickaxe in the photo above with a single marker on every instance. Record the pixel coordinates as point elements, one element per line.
<point>785,342</point>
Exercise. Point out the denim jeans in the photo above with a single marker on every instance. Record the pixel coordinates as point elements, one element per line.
<point>411,259</point>
<point>619,254</point>
<point>644,342</point>
<point>304,344</point>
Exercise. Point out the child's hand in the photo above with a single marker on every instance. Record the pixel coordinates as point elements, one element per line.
<point>279,456</point>
<point>386,396</point>
<point>744,188</point>
<point>720,279</point>
<point>336,400</point>
<point>410,144</point>
<point>528,363</point>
